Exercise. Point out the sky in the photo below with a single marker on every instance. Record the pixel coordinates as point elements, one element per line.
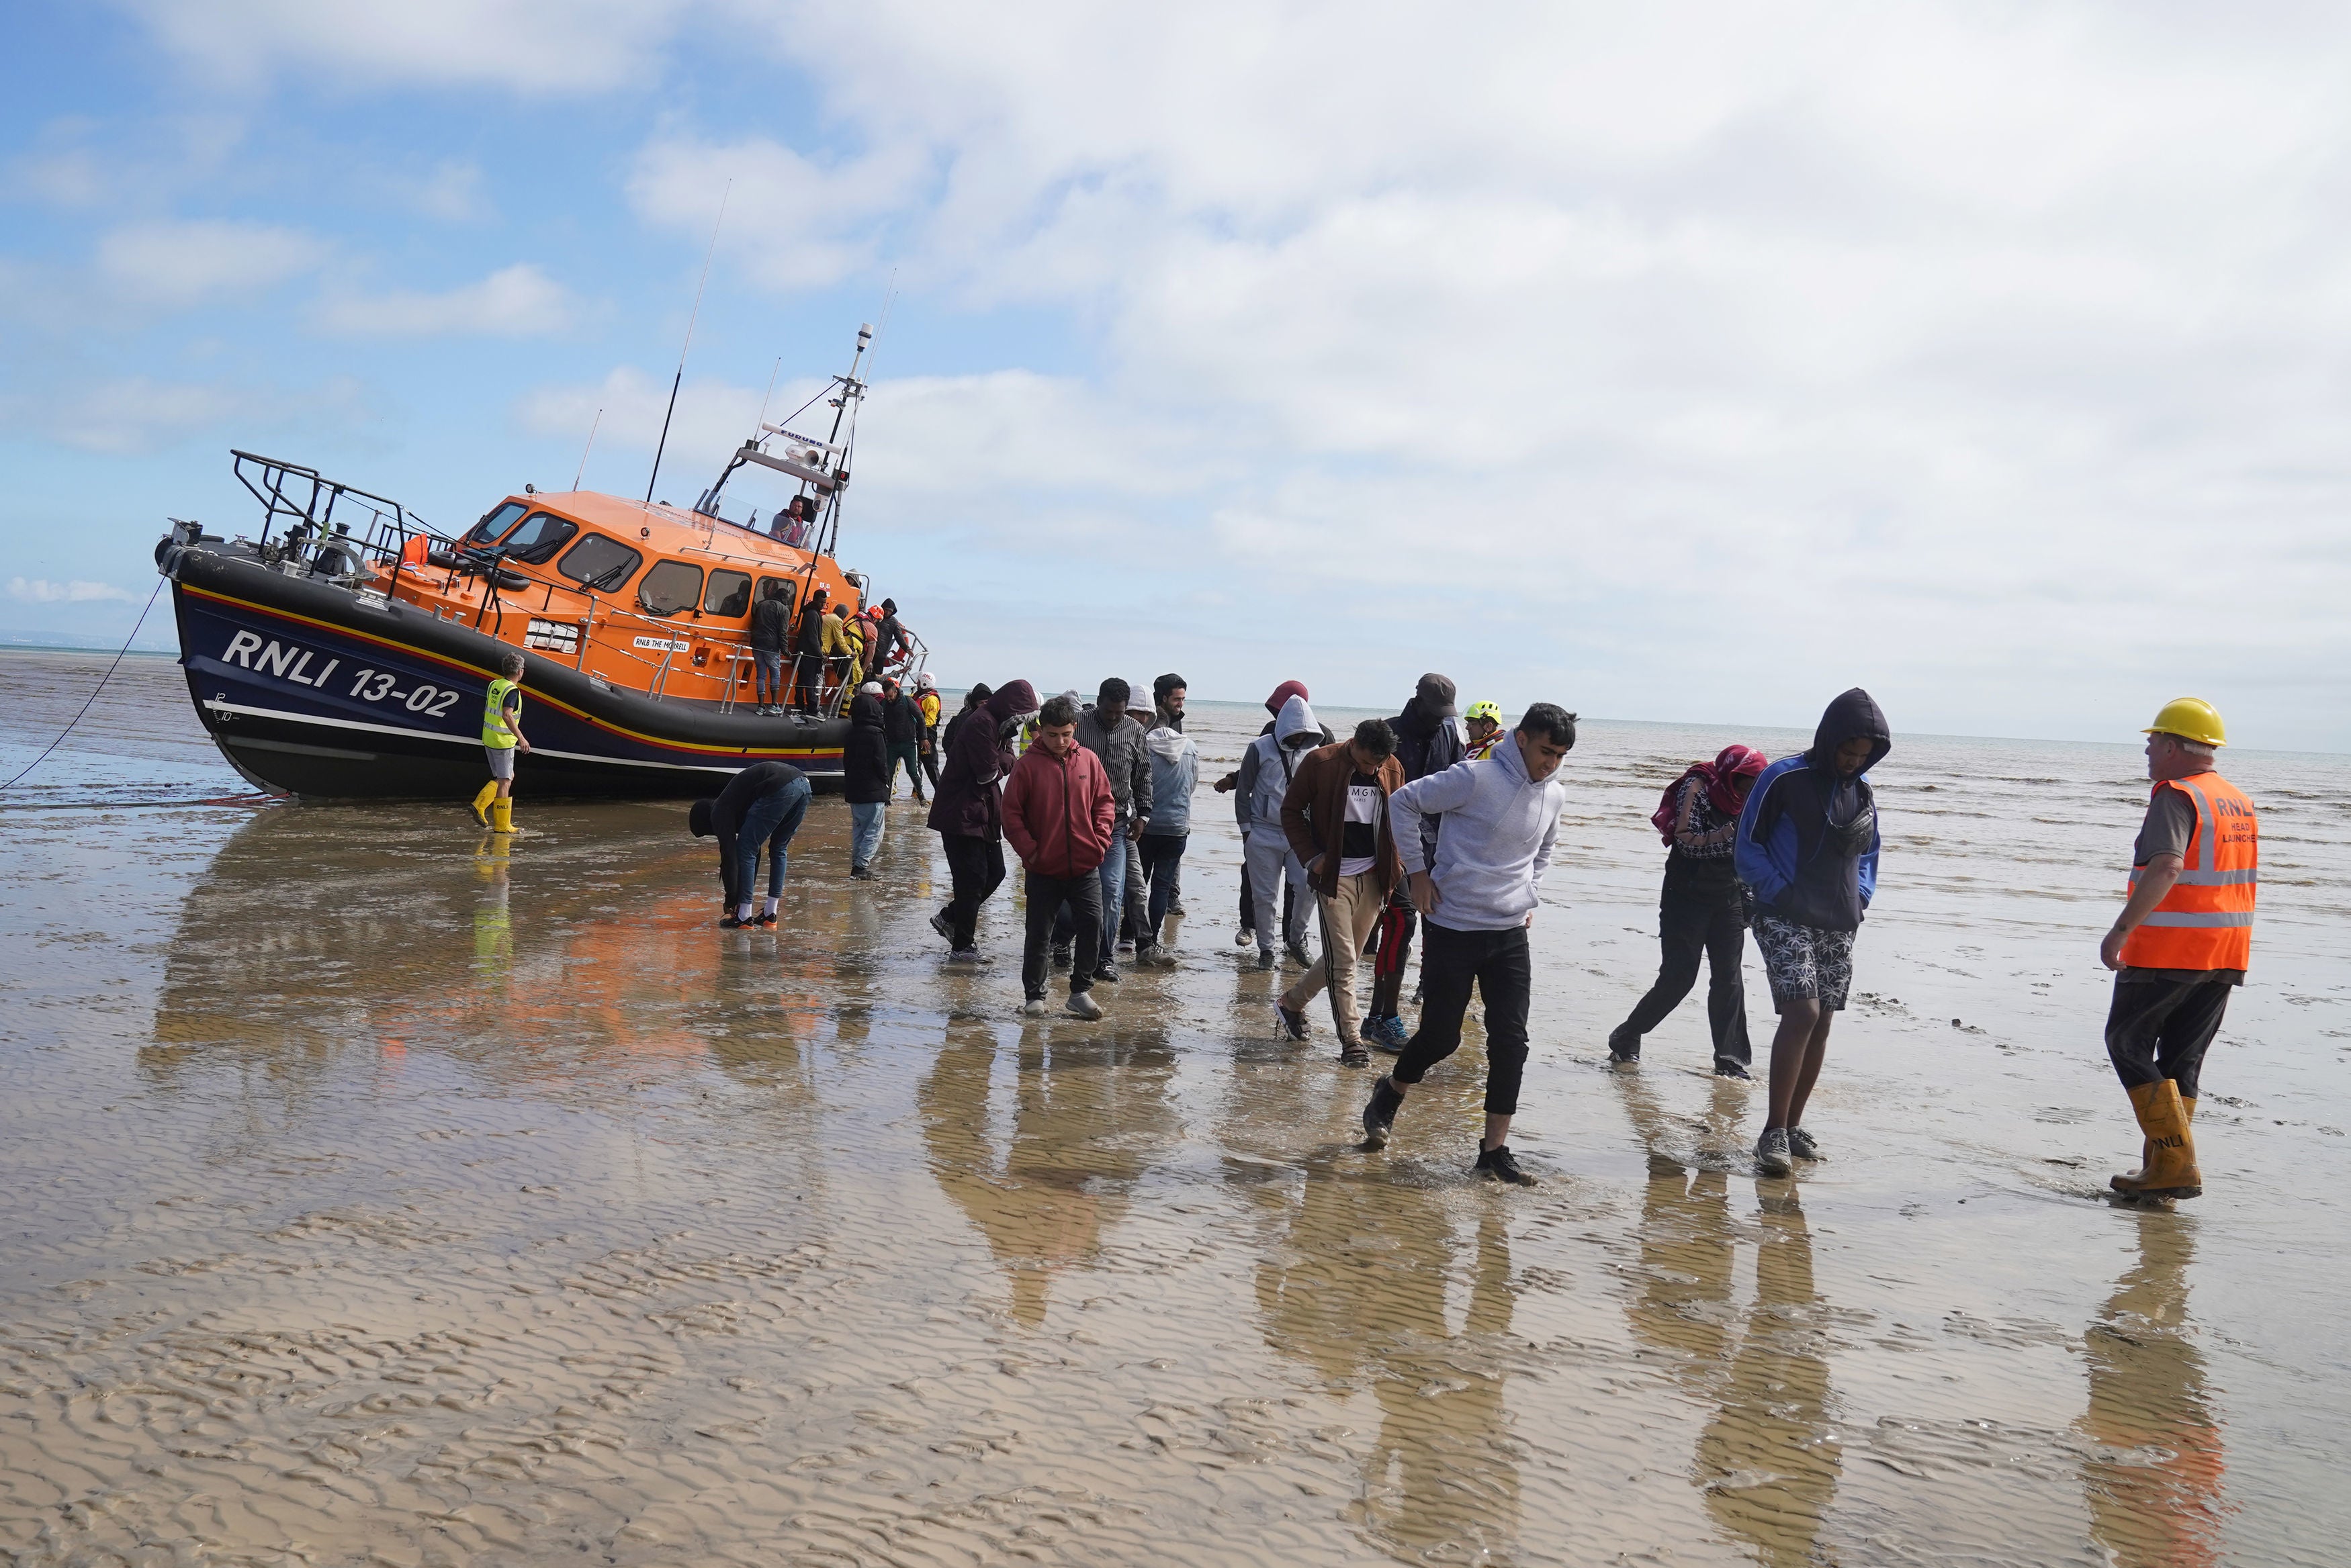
<point>1683,362</point>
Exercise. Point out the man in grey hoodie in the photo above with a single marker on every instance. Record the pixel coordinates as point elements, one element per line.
<point>1501,818</point>
<point>1266,769</point>
<point>1175,773</point>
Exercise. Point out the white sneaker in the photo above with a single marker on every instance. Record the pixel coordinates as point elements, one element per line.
<point>1083,1005</point>
<point>1033,1008</point>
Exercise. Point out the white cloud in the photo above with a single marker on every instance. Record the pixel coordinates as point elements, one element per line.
<point>41,591</point>
<point>180,263</point>
<point>520,301</point>
<point>531,45</point>
<point>141,414</point>
<point>791,221</point>
<point>456,192</point>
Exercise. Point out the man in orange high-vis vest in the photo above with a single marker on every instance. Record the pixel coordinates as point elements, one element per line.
<point>2183,938</point>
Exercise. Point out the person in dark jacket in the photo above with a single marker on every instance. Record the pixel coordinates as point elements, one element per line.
<point>967,810</point>
<point>808,663</point>
<point>1427,743</point>
<point>762,804</point>
<point>771,628</point>
<point>1807,847</point>
<point>1061,816</point>
<point>1703,910</point>
<point>901,726</point>
<point>889,641</point>
<point>865,778</point>
<point>973,701</point>
<point>1336,816</point>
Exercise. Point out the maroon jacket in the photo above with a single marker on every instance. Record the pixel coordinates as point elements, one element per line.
<point>1058,812</point>
<point>965,802</point>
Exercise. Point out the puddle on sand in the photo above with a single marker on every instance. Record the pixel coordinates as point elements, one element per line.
<point>383,1193</point>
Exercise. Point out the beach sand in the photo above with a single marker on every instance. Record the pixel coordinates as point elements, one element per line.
<point>380,1192</point>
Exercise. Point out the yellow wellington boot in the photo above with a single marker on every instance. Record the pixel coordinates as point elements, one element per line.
<point>481,803</point>
<point>2170,1169</point>
<point>2146,1148</point>
<point>502,821</point>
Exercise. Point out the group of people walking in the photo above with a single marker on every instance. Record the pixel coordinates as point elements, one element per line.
<point>1441,825</point>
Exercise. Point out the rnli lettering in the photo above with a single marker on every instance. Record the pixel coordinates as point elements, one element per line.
<point>663,644</point>
<point>287,660</point>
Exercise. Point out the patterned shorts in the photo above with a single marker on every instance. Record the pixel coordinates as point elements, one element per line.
<point>1805,962</point>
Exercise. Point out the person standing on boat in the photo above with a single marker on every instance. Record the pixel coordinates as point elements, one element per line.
<point>926,704</point>
<point>762,804</point>
<point>901,726</point>
<point>1702,911</point>
<point>501,739</point>
<point>890,641</point>
<point>771,626</point>
<point>865,778</point>
<point>968,811</point>
<point>808,673</point>
<point>1062,819</point>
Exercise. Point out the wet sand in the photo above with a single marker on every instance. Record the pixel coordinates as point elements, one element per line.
<point>385,1193</point>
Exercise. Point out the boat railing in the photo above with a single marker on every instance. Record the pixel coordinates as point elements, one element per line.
<point>310,522</point>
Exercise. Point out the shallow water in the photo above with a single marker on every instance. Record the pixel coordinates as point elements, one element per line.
<point>383,1193</point>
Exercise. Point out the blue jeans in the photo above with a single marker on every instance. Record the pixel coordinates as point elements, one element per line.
<point>767,676</point>
<point>771,820</point>
<point>864,832</point>
<point>1113,892</point>
<point>1163,867</point>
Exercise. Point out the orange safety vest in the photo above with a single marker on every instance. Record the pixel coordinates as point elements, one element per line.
<point>2206,921</point>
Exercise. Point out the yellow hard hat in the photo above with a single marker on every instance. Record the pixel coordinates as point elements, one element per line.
<point>1490,712</point>
<point>2191,719</point>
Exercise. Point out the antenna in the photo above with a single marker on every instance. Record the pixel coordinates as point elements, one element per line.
<point>589,447</point>
<point>768,393</point>
<point>679,379</point>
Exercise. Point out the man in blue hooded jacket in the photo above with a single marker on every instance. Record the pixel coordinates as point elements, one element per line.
<point>1808,848</point>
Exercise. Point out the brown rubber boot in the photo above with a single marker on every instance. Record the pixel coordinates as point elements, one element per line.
<point>2170,1170</point>
<point>2146,1149</point>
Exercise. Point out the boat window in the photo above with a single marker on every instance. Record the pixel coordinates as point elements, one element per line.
<point>729,593</point>
<point>600,564</point>
<point>669,588</point>
<point>535,543</point>
<point>791,589</point>
<point>490,528</point>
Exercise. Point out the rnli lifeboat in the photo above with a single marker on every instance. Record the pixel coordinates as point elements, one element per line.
<point>346,649</point>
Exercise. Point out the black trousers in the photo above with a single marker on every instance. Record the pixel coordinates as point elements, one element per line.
<point>808,680</point>
<point>1500,965</point>
<point>977,866</point>
<point>1082,894</point>
<point>1700,915</point>
<point>931,766</point>
<point>2161,1028</point>
<point>1163,871</point>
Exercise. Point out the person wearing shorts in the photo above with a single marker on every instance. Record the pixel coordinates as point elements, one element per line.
<point>501,739</point>
<point>1807,846</point>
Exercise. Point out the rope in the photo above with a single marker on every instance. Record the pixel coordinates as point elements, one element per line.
<point>111,668</point>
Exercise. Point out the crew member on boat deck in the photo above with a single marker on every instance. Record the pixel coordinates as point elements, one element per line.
<point>890,642</point>
<point>791,524</point>
<point>839,653</point>
<point>501,738</point>
<point>808,674</point>
<point>763,803</point>
<point>771,626</point>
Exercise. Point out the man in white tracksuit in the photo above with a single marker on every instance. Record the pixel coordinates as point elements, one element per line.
<point>1266,769</point>
<point>1500,818</point>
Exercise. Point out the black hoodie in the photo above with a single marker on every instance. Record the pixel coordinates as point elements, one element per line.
<point>866,760</point>
<point>1808,839</point>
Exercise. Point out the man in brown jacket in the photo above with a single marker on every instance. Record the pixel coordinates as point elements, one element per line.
<point>1335,815</point>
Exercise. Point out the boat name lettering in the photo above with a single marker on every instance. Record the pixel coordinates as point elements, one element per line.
<point>678,646</point>
<point>287,660</point>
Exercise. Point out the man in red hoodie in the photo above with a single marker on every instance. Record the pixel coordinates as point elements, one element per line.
<point>1061,819</point>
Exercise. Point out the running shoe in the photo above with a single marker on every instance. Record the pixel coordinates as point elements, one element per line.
<point>1724,1067</point>
<point>964,955</point>
<point>1623,1047</point>
<point>939,924</point>
<point>861,874</point>
<point>1379,1114</point>
<point>1801,1145</point>
<point>1083,1005</point>
<point>1033,1008</point>
<point>1289,1022</point>
<point>1387,1034</point>
<point>1495,1164</point>
<point>1299,955</point>
<point>1265,958</point>
<point>728,922</point>
<point>1244,937</point>
<point>1060,955</point>
<point>764,919</point>
<point>1107,973</point>
<point>1771,1155</point>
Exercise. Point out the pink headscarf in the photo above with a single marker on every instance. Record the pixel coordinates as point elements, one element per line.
<point>1728,779</point>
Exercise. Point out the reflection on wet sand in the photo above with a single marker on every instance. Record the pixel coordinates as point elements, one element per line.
<point>2154,1479</point>
<point>1768,1457</point>
<point>1086,1114</point>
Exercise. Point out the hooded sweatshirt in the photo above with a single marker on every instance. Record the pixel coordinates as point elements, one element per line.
<point>865,758</point>
<point>1059,812</point>
<point>1427,744</point>
<point>969,799</point>
<point>1808,839</point>
<point>1499,826</point>
<point>1267,767</point>
<point>1175,775</point>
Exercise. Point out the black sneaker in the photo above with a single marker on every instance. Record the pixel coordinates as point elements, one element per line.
<point>939,924</point>
<point>763,918</point>
<point>964,955</point>
<point>861,874</point>
<point>1290,1022</point>
<point>727,922</point>
<point>1623,1047</point>
<point>1379,1114</point>
<point>1496,1165</point>
<point>1107,973</point>
<point>1060,955</point>
<point>1299,955</point>
<point>1724,1067</point>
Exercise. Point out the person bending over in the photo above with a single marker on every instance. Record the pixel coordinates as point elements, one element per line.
<point>764,805</point>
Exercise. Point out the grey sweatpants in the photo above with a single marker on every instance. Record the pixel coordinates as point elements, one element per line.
<point>1270,862</point>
